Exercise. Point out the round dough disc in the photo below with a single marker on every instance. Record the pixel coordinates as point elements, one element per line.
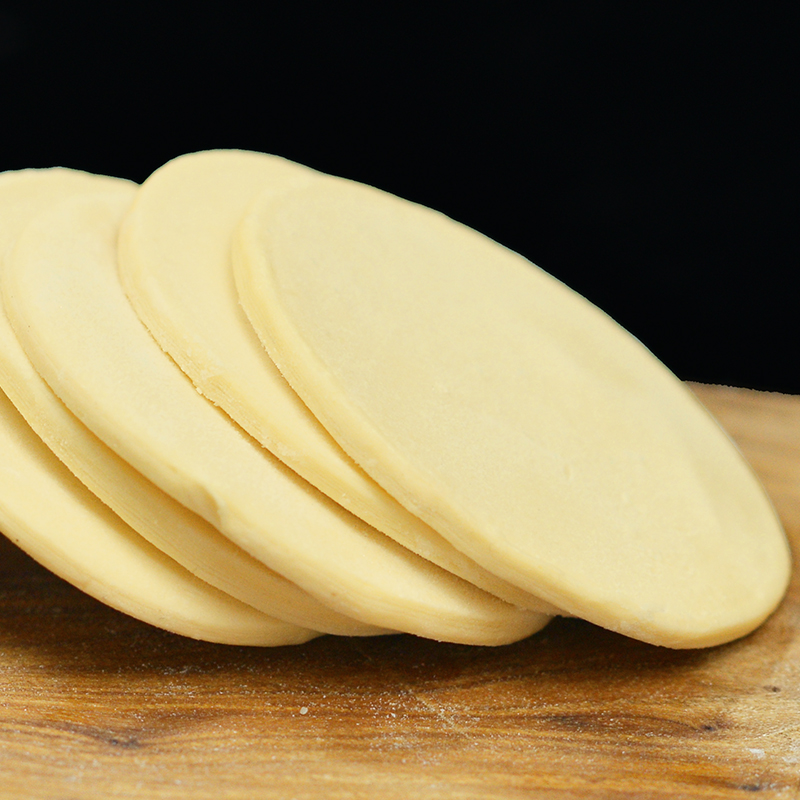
<point>512,415</point>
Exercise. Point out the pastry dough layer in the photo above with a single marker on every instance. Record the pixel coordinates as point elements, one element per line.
<point>511,415</point>
<point>47,512</point>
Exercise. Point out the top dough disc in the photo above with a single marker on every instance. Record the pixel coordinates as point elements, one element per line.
<point>511,415</point>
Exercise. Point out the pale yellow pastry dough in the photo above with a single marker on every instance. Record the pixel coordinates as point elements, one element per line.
<point>55,519</point>
<point>174,262</point>
<point>511,415</point>
<point>66,304</point>
<point>181,534</point>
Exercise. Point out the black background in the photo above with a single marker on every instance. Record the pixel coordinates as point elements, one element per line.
<point>644,153</point>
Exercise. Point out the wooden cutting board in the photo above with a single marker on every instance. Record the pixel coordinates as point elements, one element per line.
<point>96,705</point>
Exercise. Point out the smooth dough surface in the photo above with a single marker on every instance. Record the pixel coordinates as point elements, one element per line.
<point>165,523</point>
<point>174,261</point>
<point>68,309</point>
<point>511,414</point>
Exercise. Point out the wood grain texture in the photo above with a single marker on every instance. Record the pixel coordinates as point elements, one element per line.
<point>97,705</point>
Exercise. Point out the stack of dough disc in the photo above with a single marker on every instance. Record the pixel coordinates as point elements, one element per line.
<point>253,403</point>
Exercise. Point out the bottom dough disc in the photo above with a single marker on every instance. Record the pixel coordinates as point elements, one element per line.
<point>47,512</point>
